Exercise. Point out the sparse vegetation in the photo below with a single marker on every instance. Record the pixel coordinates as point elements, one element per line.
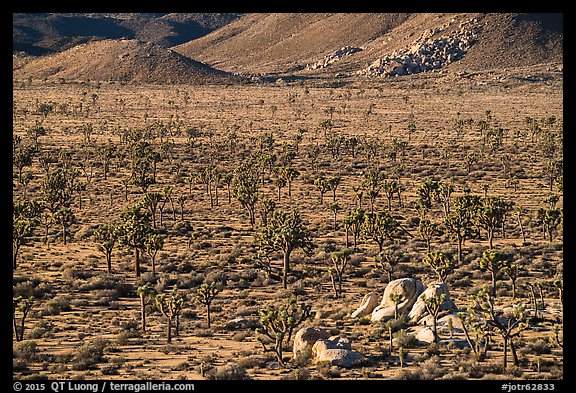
<point>197,227</point>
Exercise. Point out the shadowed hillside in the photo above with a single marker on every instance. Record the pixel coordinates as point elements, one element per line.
<point>38,34</point>
<point>121,60</point>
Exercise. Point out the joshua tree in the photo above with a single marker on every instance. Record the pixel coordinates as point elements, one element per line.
<point>170,305</point>
<point>145,292</point>
<point>107,236</point>
<point>380,226</point>
<point>106,153</point>
<point>427,230</point>
<point>279,182</point>
<point>558,284</point>
<point>442,263</point>
<point>354,221</point>
<point>24,218</point>
<point>245,185</point>
<point>396,299</point>
<point>335,208</point>
<point>165,198</point>
<point>279,322</point>
<point>340,260</point>
<point>508,326</point>
<point>512,270</point>
<point>65,217</point>
<point>549,219</point>
<point>426,192</point>
<point>285,232</point>
<point>445,191</point>
<point>494,261</point>
<point>23,305</point>
<point>387,261</point>
<point>333,183</point>
<point>134,228</point>
<point>401,356</point>
<point>150,201</point>
<point>206,294</point>
<point>267,208</point>
<point>289,174</point>
<point>459,222</point>
<point>433,305</point>
<point>227,179</point>
<point>57,192</point>
<point>323,186</point>
<point>553,169</point>
<point>153,243</point>
<point>23,158</point>
<point>490,215</point>
<point>372,184</point>
<point>181,201</point>
<point>391,188</point>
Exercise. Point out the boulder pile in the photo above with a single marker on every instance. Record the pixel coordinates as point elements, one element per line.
<point>430,51</point>
<point>411,293</point>
<point>321,347</point>
<point>333,57</point>
<point>408,288</point>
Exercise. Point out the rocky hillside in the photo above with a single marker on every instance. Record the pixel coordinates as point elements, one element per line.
<point>380,45</point>
<point>286,41</point>
<point>38,34</point>
<point>120,60</point>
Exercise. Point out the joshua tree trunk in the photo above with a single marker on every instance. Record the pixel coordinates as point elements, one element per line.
<point>521,229</point>
<point>460,240</point>
<point>493,284</point>
<point>505,351</point>
<point>513,350</point>
<point>169,331</point>
<point>15,250</point>
<point>143,313</point>
<point>15,327</point>
<point>286,267</point>
<point>109,261</point>
<point>137,261</point>
<point>208,314</point>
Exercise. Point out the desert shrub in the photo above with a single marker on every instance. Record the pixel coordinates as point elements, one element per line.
<point>230,371</point>
<point>431,369</point>
<point>241,336</point>
<point>55,306</point>
<point>30,287</point>
<point>110,370</point>
<point>72,274</point>
<point>405,339</point>
<point>105,282</point>
<point>404,374</point>
<point>88,355</point>
<point>25,350</point>
<point>41,329</point>
<point>538,347</point>
<point>217,276</point>
<point>84,232</point>
<point>146,278</point>
<point>433,350</point>
<point>203,332</point>
<point>192,281</point>
<point>301,374</point>
<point>326,370</point>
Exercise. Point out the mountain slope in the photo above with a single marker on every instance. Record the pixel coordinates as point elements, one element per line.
<point>276,42</point>
<point>316,44</point>
<point>120,60</point>
<point>38,34</point>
